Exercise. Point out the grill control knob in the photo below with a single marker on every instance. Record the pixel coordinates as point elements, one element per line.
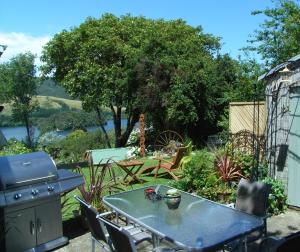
<point>34,192</point>
<point>17,196</point>
<point>50,188</point>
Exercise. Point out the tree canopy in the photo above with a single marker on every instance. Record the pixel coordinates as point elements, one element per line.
<point>159,67</point>
<point>169,70</point>
<point>278,38</point>
<point>18,85</point>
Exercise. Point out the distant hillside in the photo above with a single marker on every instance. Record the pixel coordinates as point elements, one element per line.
<point>48,103</point>
<point>50,88</point>
<point>48,106</point>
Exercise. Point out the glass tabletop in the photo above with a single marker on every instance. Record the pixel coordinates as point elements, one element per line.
<point>197,224</point>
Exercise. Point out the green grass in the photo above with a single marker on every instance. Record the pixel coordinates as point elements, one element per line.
<point>55,102</point>
<point>72,204</point>
<point>48,102</point>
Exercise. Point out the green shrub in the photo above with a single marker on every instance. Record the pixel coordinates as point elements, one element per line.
<point>217,191</point>
<point>263,169</point>
<point>73,147</point>
<point>14,147</point>
<point>201,176</point>
<point>199,169</point>
<point>246,162</point>
<point>67,120</point>
<point>196,171</point>
<point>278,198</point>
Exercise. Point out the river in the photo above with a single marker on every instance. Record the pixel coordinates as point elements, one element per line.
<point>20,132</point>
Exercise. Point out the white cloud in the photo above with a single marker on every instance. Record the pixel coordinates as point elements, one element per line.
<point>21,43</point>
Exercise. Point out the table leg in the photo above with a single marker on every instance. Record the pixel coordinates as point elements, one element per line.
<point>131,174</point>
<point>130,170</point>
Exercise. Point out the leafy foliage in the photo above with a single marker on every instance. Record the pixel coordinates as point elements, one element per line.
<point>277,40</point>
<point>14,147</point>
<point>73,147</point>
<point>278,198</point>
<point>239,78</point>
<point>199,170</point>
<point>67,120</point>
<point>228,169</point>
<point>50,88</point>
<point>97,183</point>
<point>246,163</point>
<point>18,83</point>
<point>200,176</point>
<point>165,69</point>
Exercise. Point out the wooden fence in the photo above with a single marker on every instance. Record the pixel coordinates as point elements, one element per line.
<point>242,116</point>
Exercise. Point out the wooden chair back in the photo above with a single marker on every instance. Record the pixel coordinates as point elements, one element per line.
<point>181,151</point>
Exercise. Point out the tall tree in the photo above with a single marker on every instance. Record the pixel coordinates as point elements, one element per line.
<point>142,65</point>
<point>240,84</point>
<point>17,81</point>
<point>278,38</point>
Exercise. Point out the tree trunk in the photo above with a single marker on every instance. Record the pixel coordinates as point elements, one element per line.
<point>117,124</point>
<point>132,120</point>
<point>121,139</point>
<point>26,120</point>
<point>100,117</point>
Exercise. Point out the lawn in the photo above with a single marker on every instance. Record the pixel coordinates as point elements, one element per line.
<point>71,204</point>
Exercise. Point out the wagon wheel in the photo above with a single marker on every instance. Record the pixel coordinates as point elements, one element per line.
<point>168,141</point>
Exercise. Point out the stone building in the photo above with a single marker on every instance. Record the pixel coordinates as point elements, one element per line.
<point>283,125</point>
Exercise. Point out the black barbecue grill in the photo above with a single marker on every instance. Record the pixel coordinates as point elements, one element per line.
<point>30,209</point>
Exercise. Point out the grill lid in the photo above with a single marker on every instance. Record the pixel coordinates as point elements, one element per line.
<point>23,169</point>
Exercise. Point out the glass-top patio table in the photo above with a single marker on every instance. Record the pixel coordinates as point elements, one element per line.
<point>197,225</point>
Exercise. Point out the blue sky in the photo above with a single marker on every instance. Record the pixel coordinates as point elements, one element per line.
<point>29,24</point>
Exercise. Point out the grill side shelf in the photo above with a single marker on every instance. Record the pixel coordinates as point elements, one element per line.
<point>69,180</point>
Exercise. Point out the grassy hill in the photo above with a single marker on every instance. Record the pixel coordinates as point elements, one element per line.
<point>57,103</point>
<point>49,103</point>
<point>55,108</point>
<point>50,88</point>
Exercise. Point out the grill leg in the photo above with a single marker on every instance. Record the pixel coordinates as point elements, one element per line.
<point>245,242</point>
<point>265,228</point>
